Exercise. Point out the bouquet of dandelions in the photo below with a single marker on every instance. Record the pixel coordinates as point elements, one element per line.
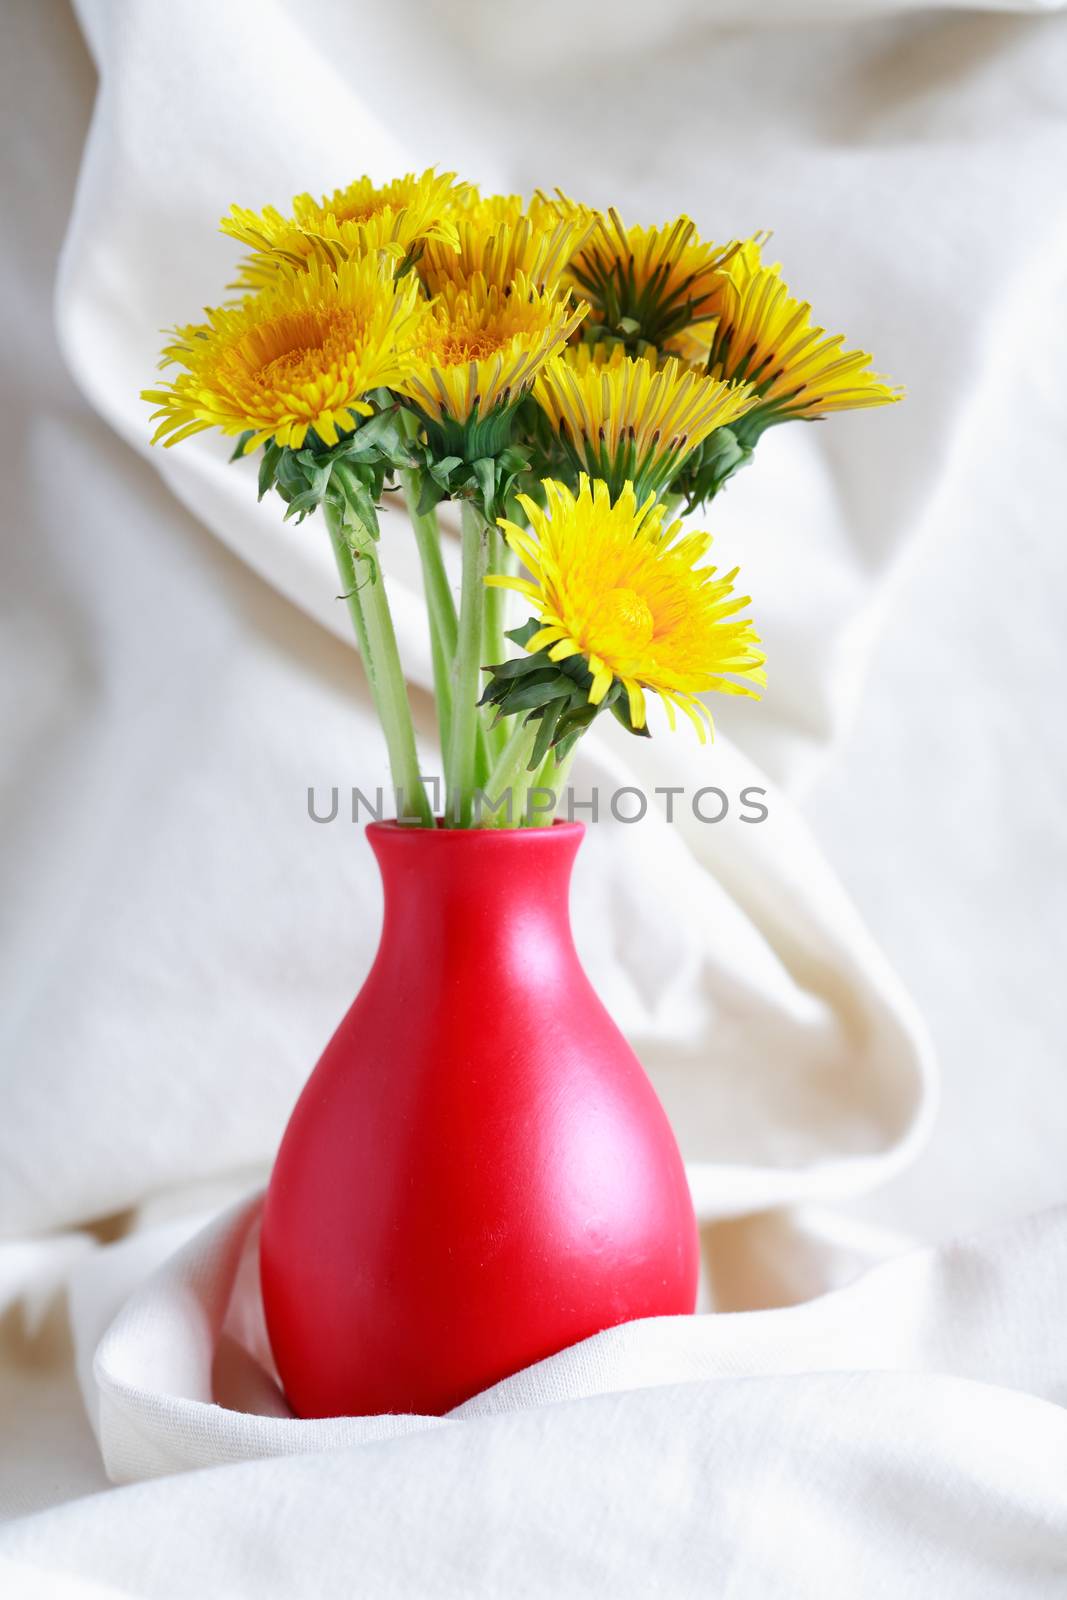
<point>572,383</point>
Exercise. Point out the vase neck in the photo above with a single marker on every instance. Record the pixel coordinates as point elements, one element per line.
<point>479,888</point>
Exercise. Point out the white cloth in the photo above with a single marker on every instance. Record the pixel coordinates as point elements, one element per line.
<point>186,938</point>
<point>906,1435</point>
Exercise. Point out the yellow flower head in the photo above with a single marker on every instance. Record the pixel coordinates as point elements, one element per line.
<point>480,348</point>
<point>611,584</point>
<point>646,285</point>
<point>302,354</point>
<point>624,419</point>
<point>501,237</point>
<point>761,335</point>
<point>397,217</point>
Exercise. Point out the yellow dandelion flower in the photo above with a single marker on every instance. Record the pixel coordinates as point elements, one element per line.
<point>646,285</point>
<point>480,348</point>
<point>611,584</point>
<point>493,210</point>
<point>300,355</point>
<point>397,217</point>
<point>624,419</point>
<point>502,238</point>
<point>694,342</point>
<point>763,336</point>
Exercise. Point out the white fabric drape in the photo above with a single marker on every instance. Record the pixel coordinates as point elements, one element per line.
<point>185,937</point>
<point>906,1435</point>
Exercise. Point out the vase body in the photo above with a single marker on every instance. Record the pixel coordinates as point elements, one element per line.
<point>478,1172</point>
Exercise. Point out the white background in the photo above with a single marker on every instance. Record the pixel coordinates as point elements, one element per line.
<point>181,938</point>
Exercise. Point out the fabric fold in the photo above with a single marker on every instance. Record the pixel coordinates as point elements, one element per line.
<point>184,1377</point>
<point>777,1453</point>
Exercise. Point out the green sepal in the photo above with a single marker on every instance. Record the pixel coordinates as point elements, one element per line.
<point>516,667</point>
<point>570,728</point>
<point>242,444</point>
<point>709,468</point>
<point>477,436</point>
<point>550,715</point>
<point>358,495</point>
<point>524,632</point>
<point>620,710</point>
<point>484,471</point>
<point>533,693</point>
<point>430,495</point>
<point>474,460</point>
<point>368,454</point>
<point>379,437</point>
<point>301,479</point>
<point>500,689</point>
<point>554,693</point>
<point>268,466</point>
<point>361,476</point>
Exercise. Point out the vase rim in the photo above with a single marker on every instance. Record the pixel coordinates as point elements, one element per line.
<point>560,831</point>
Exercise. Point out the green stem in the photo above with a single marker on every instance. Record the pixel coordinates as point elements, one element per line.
<point>552,774</point>
<point>440,605</point>
<point>368,607</point>
<point>346,568</point>
<point>461,764</point>
<point>495,644</point>
<point>511,773</point>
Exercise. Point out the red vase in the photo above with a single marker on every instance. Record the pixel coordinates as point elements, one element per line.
<point>478,1172</point>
